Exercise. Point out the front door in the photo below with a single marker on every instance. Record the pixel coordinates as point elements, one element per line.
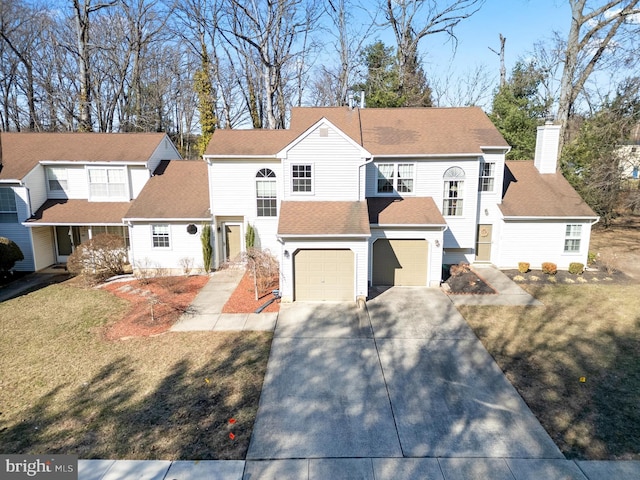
<point>483,243</point>
<point>232,241</point>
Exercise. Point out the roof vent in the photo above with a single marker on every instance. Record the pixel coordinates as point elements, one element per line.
<point>324,131</point>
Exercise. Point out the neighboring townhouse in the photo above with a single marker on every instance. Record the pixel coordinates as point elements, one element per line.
<point>165,221</point>
<point>347,198</point>
<point>58,190</point>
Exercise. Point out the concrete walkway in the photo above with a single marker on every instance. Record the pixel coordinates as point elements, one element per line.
<point>205,312</point>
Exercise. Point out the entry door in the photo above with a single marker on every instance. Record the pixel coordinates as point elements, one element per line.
<point>232,241</point>
<point>483,243</point>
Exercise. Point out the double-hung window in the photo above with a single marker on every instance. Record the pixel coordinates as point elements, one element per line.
<point>266,193</point>
<point>302,178</point>
<point>57,178</point>
<point>160,236</point>
<point>395,177</point>
<point>572,237</point>
<point>487,176</point>
<point>453,192</point>
<point>107,183</point>
<point>8,210</point>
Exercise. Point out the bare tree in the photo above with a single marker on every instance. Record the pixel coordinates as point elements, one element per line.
<point>500,53</point>
<point>472,88</point>
<point>413,20</point>
<point>593,32</point>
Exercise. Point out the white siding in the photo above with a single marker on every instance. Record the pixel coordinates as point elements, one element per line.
<point>434,272</point>
<point>182,245</point>
<point>166,150</point>
<point>43,247</point>
<point>360,249</point>
<point>538,242</point>
<point>335,170</point>
<point>36,182</point>
<point>77,183</point>
<point>138,177</point>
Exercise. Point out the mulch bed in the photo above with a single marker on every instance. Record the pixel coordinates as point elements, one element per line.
<point>243,299</point>
<point>563,277</point>
<point>166,297</point>
<point>467,283</point>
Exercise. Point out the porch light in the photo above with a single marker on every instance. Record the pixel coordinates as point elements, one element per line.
<point>437,242</point>
<point>286,254</point>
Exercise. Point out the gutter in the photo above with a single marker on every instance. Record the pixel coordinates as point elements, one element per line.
<point>181,219</point>
<point>564,218</point>
<point>367,162</point>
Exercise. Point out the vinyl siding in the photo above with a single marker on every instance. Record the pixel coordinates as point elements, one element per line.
<point>538,242</point>
<point>335,170</point>
<point>182,245</point>
<point>36,182</point>
<point>43,247</point>
<point>138,177</point>
<point>434,254</point>
<point>360,249</point>
<point>164,151</point>
<point>18,233</point>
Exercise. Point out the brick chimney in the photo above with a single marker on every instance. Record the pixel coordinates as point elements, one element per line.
<point>547,142</point>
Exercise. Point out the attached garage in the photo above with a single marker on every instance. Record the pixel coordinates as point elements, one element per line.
<point>400,262</point>
<point>324,275</point>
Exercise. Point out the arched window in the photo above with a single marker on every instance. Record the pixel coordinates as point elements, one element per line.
<point>266,196</point>
<point>453,192</point>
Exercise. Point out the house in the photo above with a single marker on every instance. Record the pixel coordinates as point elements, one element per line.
<point>58,190</point>
<point>349,197</point>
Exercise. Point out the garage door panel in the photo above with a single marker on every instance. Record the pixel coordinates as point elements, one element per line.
<point>324,275</point>
<point>400,262</point>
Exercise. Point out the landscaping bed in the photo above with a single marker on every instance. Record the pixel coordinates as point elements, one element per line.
<point>463,280</point>
<point>243,299</point>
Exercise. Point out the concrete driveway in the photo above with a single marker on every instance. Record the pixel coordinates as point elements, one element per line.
<point>415,382</point>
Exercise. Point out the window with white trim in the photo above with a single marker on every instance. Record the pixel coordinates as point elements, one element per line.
<point>57,178</point>
<point>160,236</point>
<point>302,178</point>
<point>266,193</point>
<point>107,183</point>
<point>572,237</point>
<point>8,209</point>
<point>453,192</point>
<point>395,177</point>
<point>487,176</point>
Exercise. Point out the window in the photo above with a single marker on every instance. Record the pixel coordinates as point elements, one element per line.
<point>160,236</point>
<point>266,196</point>
<point>487,173</point>
<point>453,190</point>
<point>395,177</point>
<point>107,183</point>
<point>301,178</point>
<point>57,178</point>
<point>8,210</point>
<point>572,238</point>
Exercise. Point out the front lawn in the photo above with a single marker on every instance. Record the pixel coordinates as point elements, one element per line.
<point>64,388</point>
<point>575,361</point>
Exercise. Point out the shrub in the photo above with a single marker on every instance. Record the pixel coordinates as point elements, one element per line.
<point>250,236</point>
<point>10,253</point>
<point>207,251</point>
<point>576,268</point>
<point>608,261</point>
<point>459,269</point>
<point>549,268</point>
<point>187,264</point>
<point>591,258</point>
<point>523,267</point>
<point>264,269</point>
<point>104,256</point>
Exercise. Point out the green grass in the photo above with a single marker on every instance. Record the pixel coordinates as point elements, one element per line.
<point>64,389</point>
<point>590,331</point>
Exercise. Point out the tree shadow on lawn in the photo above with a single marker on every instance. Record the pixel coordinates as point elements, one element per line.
<point>576,364</point>
<point>185,416</point>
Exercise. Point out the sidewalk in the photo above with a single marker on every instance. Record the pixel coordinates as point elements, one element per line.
<point>30,283</point>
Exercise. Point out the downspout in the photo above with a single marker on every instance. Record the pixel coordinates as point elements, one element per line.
<point>367,162</point>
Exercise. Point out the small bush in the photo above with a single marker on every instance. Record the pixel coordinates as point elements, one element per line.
<point>591,258</point>
<point>104,256</point>
<point>549,268</point>
<point>576,268</point>
<point>523,267</point>
<point>609,262</point>
<point>187,264</point>
<point>459,269</point>
<point>10,253</point>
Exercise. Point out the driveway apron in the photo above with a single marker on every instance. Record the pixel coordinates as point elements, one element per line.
<point>414,382</point>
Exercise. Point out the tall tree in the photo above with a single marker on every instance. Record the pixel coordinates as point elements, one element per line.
<point>206,101</point>
<point>412,21</point>
<point>382,83</point>
<point>593,32</point>
<point>518,109</point>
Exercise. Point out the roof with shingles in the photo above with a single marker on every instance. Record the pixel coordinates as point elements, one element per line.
<point>79,212</point>
<point>178,189</point>
<point>381,131</point>
<point>21,152</point>
<point>323,218</point>
<point>529,193</point>
<point>404,211</point>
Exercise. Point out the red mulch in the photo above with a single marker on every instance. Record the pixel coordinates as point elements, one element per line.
<point>169,296</point>
<point>243,299</point>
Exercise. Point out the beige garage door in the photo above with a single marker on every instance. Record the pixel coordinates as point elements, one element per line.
<point>324,275</point>
<point>400,262</point>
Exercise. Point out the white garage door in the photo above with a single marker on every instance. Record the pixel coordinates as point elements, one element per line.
<point>400,262</point>
<point>324,275</point>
